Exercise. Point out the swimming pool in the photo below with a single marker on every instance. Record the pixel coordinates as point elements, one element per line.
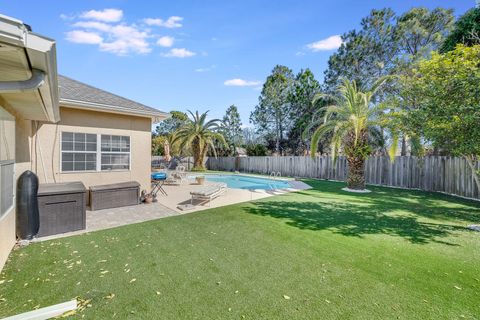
<point>236,181</point>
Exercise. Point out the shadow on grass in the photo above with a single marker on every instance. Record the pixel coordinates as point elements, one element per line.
<point>415,216</point>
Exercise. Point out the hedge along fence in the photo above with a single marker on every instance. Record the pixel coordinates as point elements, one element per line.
<point>434,173</point>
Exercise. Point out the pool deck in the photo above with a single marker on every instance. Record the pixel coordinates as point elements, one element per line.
<point>167,206</point>
<point>180,194</point>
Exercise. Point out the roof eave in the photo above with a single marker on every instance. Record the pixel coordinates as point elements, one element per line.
<point>83,105</point>
<point>41,53</point>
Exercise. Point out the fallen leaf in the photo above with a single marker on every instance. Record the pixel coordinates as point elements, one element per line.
<point>158,292</point>
<point>286,297</point>
<point>110,296</point>
<point>133,280</point>
<point>457,287</point>
<point>69,313</point>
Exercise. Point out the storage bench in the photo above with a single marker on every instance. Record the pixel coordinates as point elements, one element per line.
<point>61,208</point>
<point>114,195</point>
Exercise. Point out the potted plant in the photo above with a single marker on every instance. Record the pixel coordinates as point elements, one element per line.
<point>200,179</point>
<point>148,198</point>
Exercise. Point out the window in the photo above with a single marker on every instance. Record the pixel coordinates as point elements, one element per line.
<point>6,185</point>
<point>79,151</point>
<point>115,152</point>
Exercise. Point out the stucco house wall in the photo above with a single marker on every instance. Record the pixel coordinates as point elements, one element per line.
<point>7,154</point>
<point>43,146</point>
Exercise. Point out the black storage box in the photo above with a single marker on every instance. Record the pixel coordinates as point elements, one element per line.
<point>114,195</point>
<point>62,208</point>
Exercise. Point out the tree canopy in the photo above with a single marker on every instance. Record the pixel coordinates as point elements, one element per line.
<point>447,93</point>
<point>466,31</point>
<point>272,114</point>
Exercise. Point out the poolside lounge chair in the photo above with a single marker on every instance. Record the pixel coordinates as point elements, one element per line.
<point>208,193</point>
<point>180,174</point>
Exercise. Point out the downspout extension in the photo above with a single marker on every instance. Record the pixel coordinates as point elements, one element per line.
<point>35,82</point>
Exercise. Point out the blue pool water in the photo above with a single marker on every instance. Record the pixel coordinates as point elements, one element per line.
<point>236,181</point>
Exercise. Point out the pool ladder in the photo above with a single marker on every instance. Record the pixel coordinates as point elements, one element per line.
<point>274,174</point>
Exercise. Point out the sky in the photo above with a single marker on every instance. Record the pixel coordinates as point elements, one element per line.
<point>197,55</point>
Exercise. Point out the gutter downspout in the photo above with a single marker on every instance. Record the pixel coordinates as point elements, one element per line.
<point>35,82</point>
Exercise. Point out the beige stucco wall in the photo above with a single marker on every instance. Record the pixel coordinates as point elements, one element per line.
<point>40,142</point>
<point>36,146</point>
<point>7,152</point>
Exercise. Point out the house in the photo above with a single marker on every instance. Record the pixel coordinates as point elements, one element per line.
<point>59,128</point>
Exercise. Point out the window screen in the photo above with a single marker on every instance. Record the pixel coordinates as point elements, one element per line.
<point>79,151</point>
<point>115,152</point>
<point>6,186</point>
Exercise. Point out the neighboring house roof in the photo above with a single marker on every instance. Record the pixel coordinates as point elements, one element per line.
<point>76,94</point>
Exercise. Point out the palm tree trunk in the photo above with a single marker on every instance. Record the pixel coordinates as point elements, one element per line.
<point>355,152</point>
<point>356,172</point>
<point>197,150</point>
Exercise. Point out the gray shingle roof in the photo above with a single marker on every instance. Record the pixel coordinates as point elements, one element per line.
<point>74,92</point>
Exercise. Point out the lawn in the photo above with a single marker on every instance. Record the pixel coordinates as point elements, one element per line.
<point>316,254</point>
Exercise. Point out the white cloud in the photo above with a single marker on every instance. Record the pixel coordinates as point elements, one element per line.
<point>171,22</point>
<point>79,36</point>
<point>241,83</point>
<point>126,39</point>
<point>64,16</point>
<point>120,39</point>
<point>205,69</point>
<point>100,26</point>
<point>165,41</point>
<point>107,15</point>
<point>112,33</point>
<point>330,43</point>
<point>178,53</point>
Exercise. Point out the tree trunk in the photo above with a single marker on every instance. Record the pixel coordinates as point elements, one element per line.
<point>356,172</point>
<point>403,150</point>
<point>197,155</point>
<point>356,152</point>
<point>470,161</point>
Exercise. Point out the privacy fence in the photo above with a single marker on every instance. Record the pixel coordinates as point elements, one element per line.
<point>435,173</point>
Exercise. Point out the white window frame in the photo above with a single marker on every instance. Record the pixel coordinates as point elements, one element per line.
<point>99,156</point>
<point>98,153</point>
<point>72,151</point>
<point>9,209</point>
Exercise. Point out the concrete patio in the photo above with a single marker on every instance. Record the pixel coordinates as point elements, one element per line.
<point>168,205</point>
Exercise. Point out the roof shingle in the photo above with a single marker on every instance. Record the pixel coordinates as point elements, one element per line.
<point>72,91</point>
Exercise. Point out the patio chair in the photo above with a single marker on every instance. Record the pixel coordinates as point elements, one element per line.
<point>180,174</point>
<point>208,193</point>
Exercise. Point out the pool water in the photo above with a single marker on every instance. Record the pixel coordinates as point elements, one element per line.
<point>236,181</point>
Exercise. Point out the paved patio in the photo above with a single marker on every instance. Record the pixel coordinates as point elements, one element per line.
<point>167,206</point>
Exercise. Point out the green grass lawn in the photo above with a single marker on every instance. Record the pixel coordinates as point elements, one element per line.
<point>316,254</point>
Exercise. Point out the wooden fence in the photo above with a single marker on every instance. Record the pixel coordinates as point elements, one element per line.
<point>444,174</point>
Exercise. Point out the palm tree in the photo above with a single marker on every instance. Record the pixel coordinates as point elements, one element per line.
<point>200,135</point>
<point>353,122</point>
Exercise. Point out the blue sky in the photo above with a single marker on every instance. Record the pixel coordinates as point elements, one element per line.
<point>205,55</point>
